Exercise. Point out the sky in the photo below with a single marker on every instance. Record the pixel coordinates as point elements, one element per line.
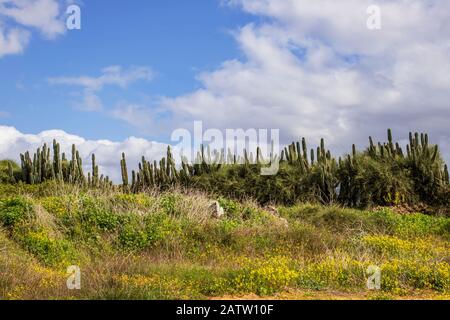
<point>138,70</point>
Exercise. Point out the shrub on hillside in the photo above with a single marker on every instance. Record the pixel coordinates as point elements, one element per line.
<point>14,210</point>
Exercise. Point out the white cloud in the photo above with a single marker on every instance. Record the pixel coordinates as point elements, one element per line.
<point>18,18</point>
<point>13,41</point>
<point>108,153</point>
<point>111,76</point>
<point>43,15</point>
<point>314,69</point>
<point>135,115</point>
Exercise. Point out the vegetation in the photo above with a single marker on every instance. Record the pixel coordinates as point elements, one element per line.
<point>167,246</point>
<point>382,175</point>
<point>155,237</point>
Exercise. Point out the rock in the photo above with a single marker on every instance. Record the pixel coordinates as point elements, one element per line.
<point>216,210</point>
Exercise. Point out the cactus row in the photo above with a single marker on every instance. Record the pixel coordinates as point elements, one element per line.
<point>382,174</point>
<point>43,166</point>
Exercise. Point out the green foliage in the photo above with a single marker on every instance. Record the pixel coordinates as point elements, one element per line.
<point>50,251</point>
<point>137,233</point>
<point>168,203</point>
<point>232,208</point>
<point>380,221</point>
<point>151,246</point>
<point>42,166</point>
<point>14,210</point>
<point>263,276</point>
<point>383,174</point>
<point>9,171</point>
<point>98,216</point>
<point>133,235</point>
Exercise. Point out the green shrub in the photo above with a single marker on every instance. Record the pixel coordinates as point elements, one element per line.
<point>137,234</point>
<point>232,208</point>
<point>97,216</point>
<point>419,225</point>
<point>159,227</point>
<point>400,276</point>
<point>131,201</point>
<point>221,232</point>
<point>49,250</point>
<point>168,203</point>
<point>133,235</point>
<point>14,210</point>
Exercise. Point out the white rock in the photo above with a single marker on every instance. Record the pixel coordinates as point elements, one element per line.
<point>216,210</point>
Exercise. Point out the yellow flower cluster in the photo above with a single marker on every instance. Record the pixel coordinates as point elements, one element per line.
<point>423,248</point>
<point>137,280</point>
<point>138,200</point>
<point>265,276</point>
<point>399,275</point>
<point>332,272</point>
<point>57,206</point>
<point>49,278</point>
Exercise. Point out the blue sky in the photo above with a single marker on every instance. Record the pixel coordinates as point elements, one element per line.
<point>176,39</point>
<point>140,69</point>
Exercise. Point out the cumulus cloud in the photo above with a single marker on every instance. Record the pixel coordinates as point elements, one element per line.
<point>18,18</point>
<point>111,76</point>
<point>314,69</point>
<point>108,153</point>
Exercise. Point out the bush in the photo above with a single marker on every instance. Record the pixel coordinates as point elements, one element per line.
<point>138,234</point>
<point>50,251</point>
<point>169,202</point>
<point>133,235</point>
<point>96,216</point>
<point>14,210</point>
<point>138,201</point>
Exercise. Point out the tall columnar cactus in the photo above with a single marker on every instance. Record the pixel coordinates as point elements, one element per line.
<point>57,164</point>
<point>123,166</point>
<point>446,175</point>
<point>42,167</point>
<point>95,177</point>
<point>317,175</point>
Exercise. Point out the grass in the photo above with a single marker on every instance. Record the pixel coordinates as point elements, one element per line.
<point>166,246</point>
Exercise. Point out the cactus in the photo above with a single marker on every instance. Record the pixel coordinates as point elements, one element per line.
<point>95,177</point>
<point>43,167</point>
<point>123,165</point>
<point>446,176</point>
<point>316,176</point>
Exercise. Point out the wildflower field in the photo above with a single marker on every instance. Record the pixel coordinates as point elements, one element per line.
<point>166,245</point>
